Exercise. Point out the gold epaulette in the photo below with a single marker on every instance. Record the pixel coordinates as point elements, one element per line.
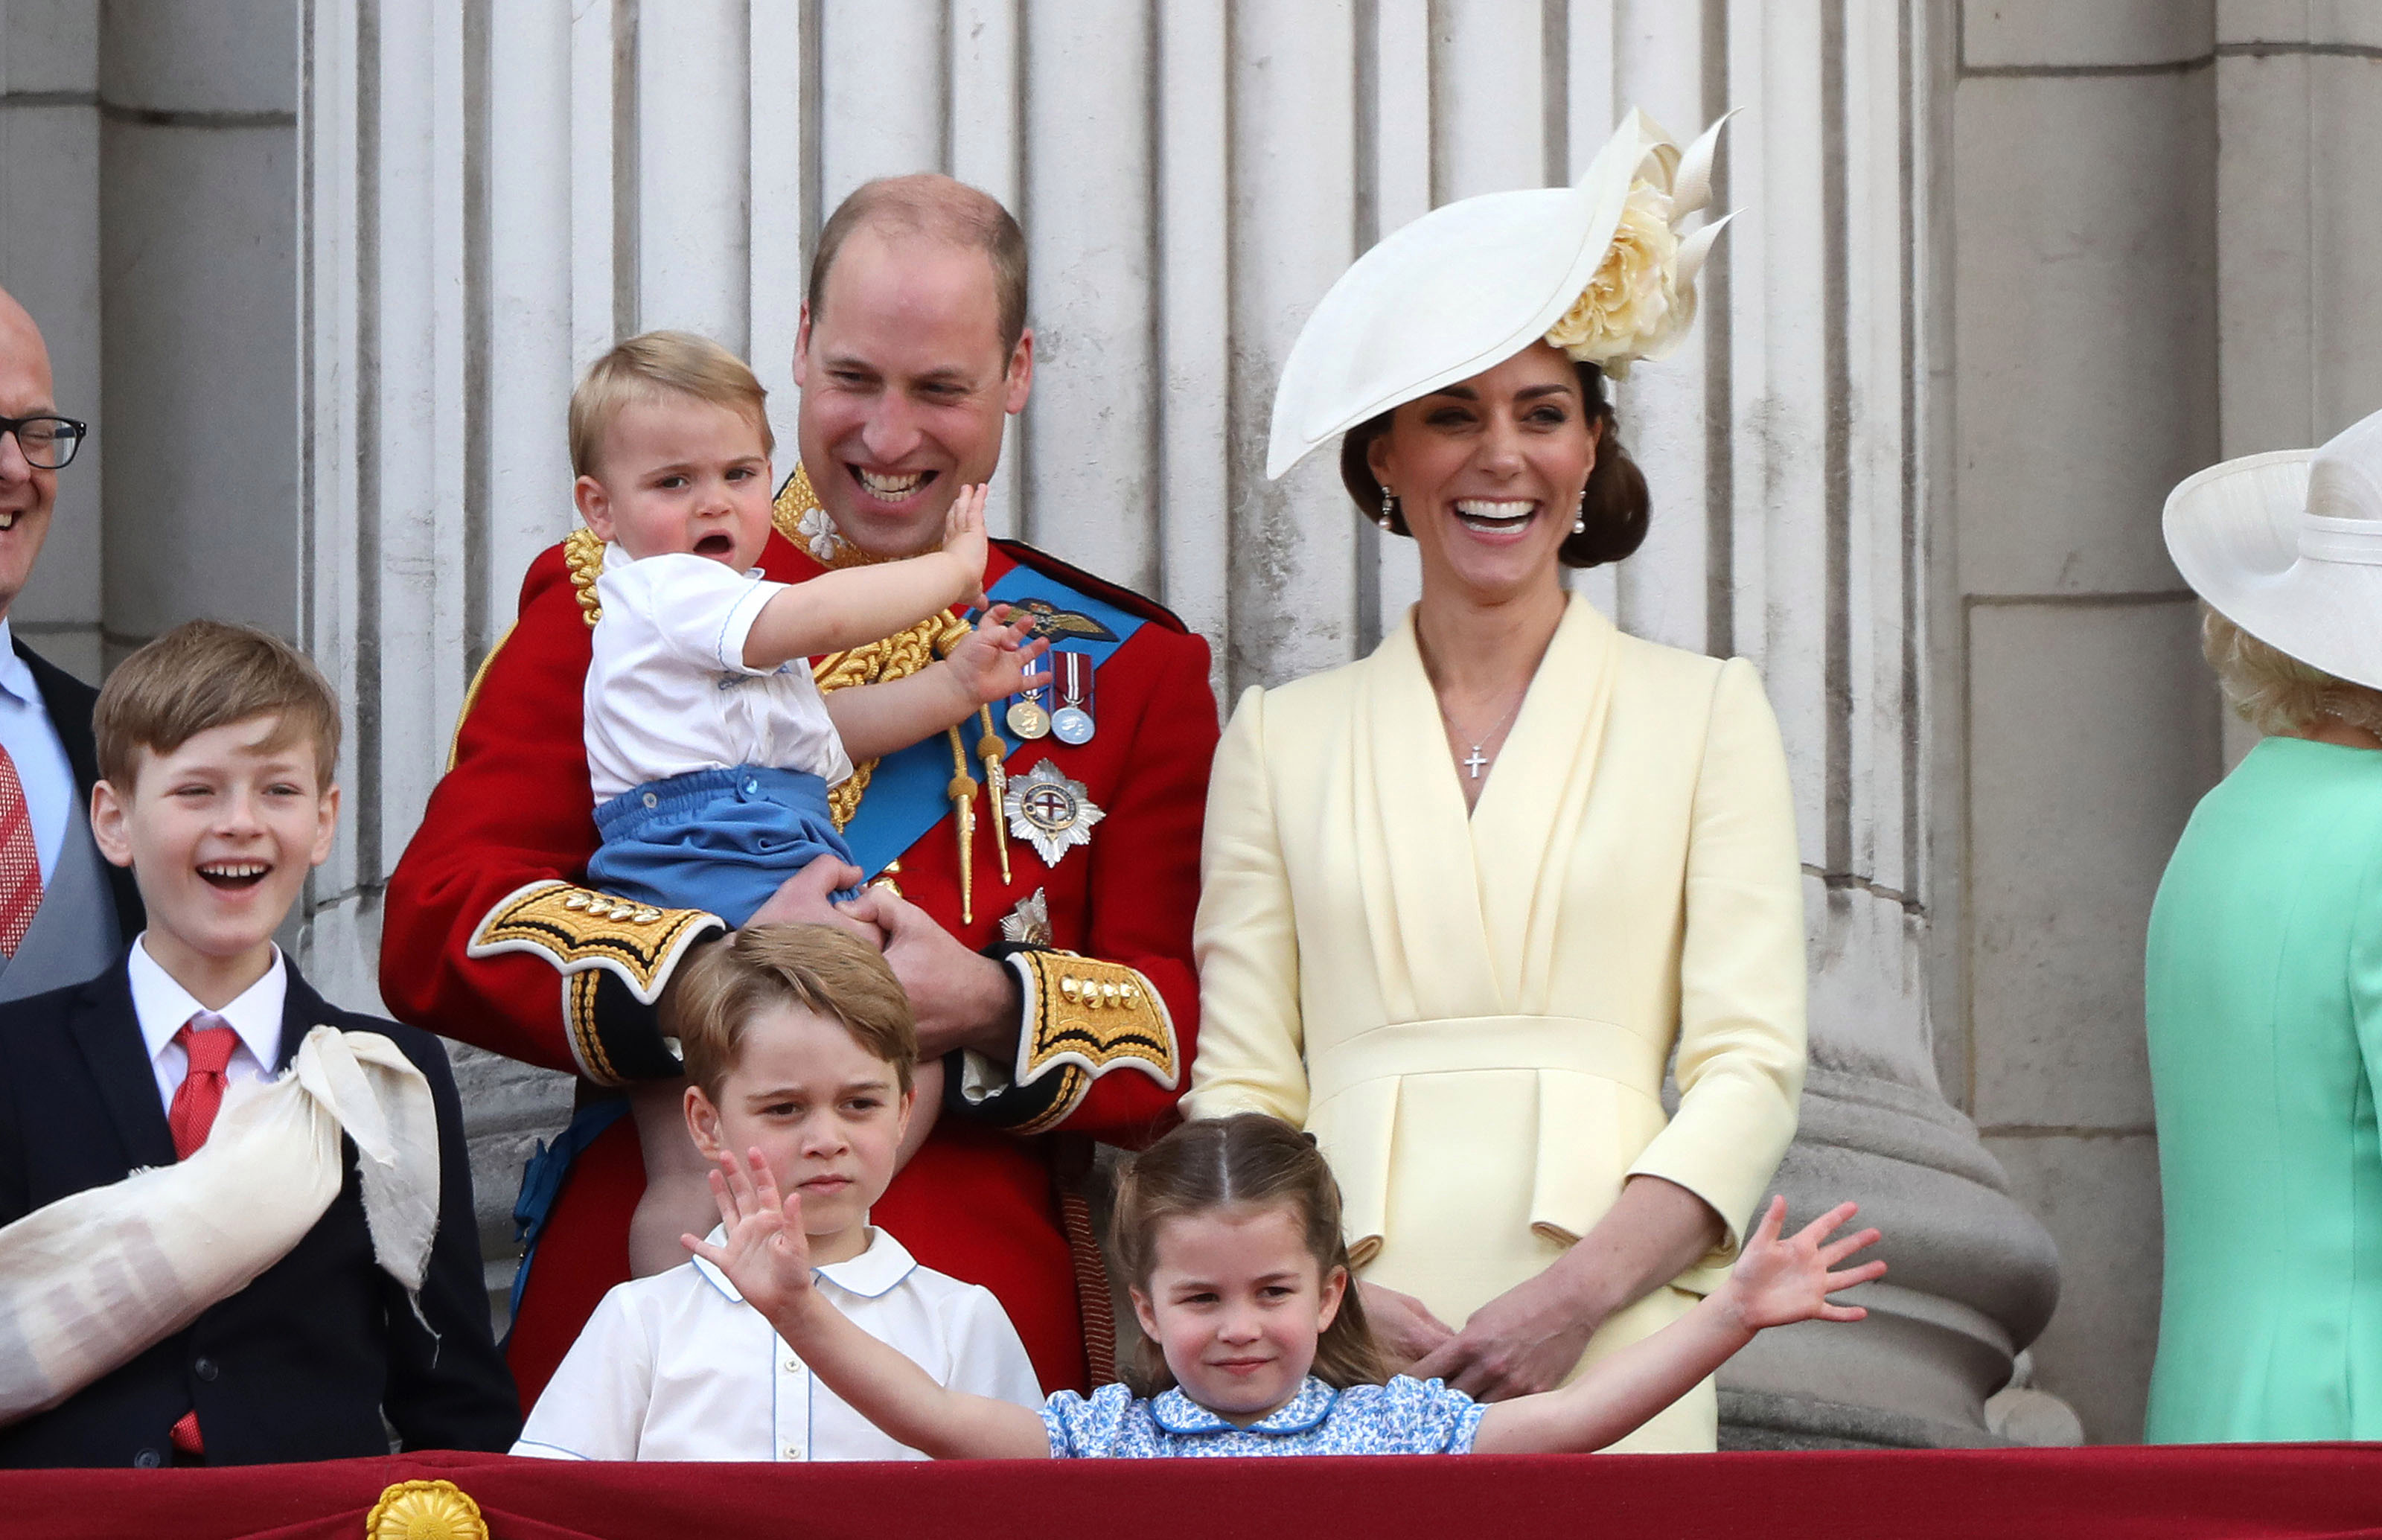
<point>1083,1017</point>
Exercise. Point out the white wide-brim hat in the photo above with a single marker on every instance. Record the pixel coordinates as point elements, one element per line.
<point>2287,546</point>
<point>1472,283</point>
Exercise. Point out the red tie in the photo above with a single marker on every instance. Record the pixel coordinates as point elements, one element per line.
<point>208,1041</point>
<point>21,868</point>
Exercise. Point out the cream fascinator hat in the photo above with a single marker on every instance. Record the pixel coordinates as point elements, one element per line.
<point>2289,547</point>
<point>1599,270</point>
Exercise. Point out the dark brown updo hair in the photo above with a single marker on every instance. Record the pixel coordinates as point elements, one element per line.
<point>1614,506</point>
<point>1247,1158</point>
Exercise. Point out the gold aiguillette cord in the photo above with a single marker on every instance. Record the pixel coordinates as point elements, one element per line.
<point>993,753</point>
<point>961,793</point>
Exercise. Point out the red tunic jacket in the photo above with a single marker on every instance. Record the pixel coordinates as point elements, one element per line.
<point>484,939</point>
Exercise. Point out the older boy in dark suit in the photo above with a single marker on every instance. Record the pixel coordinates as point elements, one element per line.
<point>215,744</point>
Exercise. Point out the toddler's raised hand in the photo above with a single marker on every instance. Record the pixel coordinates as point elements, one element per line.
<point>1776,1282</point>
<point>765,1254</point>
<point>964,537</point>
<point>996,659</point>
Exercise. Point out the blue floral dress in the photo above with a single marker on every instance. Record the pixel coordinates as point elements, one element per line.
<point>1406,1416</point>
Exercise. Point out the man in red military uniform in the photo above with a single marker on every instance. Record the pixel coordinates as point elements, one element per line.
<point>1036,871</point>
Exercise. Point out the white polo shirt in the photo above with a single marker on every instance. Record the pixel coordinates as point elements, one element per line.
<point>668,691</point>
<point>679,1367</point>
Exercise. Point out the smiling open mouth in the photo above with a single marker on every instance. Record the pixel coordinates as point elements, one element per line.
<point>1494,518</point>
<point>234,875</point>
<point>891,489</point>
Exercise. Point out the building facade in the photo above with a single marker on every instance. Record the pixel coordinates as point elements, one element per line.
<point>322,273</point>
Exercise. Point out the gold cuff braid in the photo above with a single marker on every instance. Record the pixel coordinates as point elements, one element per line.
<point>1085,1017</point>
<point>578,929</point>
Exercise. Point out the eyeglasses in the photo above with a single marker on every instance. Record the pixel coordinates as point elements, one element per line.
<point>49,442</point>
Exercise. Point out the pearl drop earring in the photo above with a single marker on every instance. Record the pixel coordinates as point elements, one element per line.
<point>1580,525</point>
<point>1389,507</point>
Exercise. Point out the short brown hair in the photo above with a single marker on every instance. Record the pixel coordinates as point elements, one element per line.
<point>925,203</point>
<point>822,969</point>
<point>208,674</point>
<point>1614,506</point>
<point>649,366</point>
<point>1224,1163</point>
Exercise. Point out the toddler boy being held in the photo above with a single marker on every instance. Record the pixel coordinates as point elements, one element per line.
<point>800,1046</point>
<point>711,751</point>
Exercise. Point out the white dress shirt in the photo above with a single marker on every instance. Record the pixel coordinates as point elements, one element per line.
<point>40,756</point>
<point>678,1366</point>
<point>667,691</point>
<point>163,1008</point>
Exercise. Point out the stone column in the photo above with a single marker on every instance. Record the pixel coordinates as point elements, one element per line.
<point>49,260</point>
<point>1822,532</point>
<point>198,228</point>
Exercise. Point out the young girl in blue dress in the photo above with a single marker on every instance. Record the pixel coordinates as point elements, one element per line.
<point>1253,1341</point>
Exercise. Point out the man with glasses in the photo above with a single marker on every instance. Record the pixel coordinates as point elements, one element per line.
<point>64,911</point>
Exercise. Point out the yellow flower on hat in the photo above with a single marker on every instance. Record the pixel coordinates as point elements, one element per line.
<point>1642,298</point>
<point>1632,308</point>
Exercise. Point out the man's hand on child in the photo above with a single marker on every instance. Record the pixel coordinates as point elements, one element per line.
<point>1776,1281</point>
<point>764,1253</point>
<point>964,537</point>
<point>995,661</point>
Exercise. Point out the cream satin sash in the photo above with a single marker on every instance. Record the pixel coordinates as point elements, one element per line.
<point>89,1282</point>
<point>1356,1087</point>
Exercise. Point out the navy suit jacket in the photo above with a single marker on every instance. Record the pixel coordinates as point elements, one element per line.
<point>303,1362</point>
<point>70,701</point>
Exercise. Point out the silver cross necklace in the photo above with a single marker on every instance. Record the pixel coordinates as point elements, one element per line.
<point>1474,761</point>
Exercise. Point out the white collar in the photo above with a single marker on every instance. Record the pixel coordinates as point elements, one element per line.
<point>162,1006</point>
<point>876,1271</point>
<point>16,674</point>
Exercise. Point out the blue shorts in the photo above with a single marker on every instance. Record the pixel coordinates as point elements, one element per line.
<point>719,841</point>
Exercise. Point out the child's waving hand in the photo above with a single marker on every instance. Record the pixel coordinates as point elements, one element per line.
<point>1779,1282</point>
<point>764,1253</point>
<point>996,659</point>
<point>1775,1283</point>
<point>965,537</point>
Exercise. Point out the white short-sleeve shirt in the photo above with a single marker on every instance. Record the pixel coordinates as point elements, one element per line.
<point>679,1367</point>
<point>668,691</point>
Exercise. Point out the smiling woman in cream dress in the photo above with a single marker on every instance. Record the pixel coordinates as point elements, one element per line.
<point>1465,901</point>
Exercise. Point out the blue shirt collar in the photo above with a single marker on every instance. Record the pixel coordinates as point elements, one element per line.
<point>1178,1412</point>
<point>16,674</point>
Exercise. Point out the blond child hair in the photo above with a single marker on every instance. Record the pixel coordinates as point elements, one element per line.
<point>656,364</point>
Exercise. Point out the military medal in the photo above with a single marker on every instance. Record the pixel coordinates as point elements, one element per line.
<point>1026,715</point>
<point>1050,812</point>
<point>1071,678</point>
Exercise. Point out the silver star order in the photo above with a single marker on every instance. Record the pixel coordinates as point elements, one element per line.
<point>1050,812</point>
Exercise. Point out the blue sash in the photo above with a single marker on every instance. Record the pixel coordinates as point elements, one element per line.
<point>905,797</point>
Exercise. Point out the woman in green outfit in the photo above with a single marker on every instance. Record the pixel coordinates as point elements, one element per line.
<point>2264,984</point>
